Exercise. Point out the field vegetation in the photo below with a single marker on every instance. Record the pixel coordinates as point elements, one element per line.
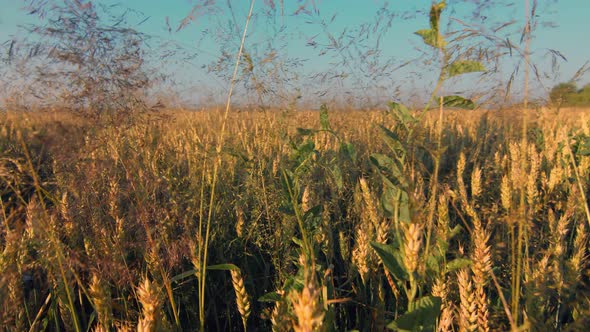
<point>120,216</point>
<point>326,219</point>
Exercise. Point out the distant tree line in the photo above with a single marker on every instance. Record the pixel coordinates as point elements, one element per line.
<point>567,95</point>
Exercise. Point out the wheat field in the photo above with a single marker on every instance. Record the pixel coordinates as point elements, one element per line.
<point>299,221</point>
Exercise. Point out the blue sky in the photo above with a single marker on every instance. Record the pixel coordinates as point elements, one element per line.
<point>300,64</point>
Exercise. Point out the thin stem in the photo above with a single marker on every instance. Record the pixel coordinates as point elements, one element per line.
<point>503,300</point>
<point>54,239</point>
<point>579,181</point>
<point>217,165</point>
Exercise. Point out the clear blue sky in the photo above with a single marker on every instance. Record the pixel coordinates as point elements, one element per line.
<point>301,31</point>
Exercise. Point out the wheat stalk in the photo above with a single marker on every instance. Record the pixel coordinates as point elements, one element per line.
<point>305,200</point>
<point>360,253</point>
<point>101,298</point>
<point>475,182</point>
<point>240,222</point>
<point>445,320</point>
<point>370,206</point>
<point>412,244</point>
<point>307,308</point>
<point>280,317</point>
<point>468,308</point>
<point>482,264</point>
<point>242,298</point>
<point>151,301</point>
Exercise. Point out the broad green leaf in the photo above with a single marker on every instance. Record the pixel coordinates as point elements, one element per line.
<point>303,153</point>
<point>583,148</point>
<point>432,262</point>
<point>270,297</point>
<point>390,170</point>
<point>443,245</point>
<point>463,67</point>
<point>91,321</point>
<point>421,318</point>
<point>435,12</point>
<point>459,102</point>
<point>183,275</point>
<point>404,208</point>
<point>431,38</point>
<point>398,108</point>
<point>305,148</point>
<point>394,199</point>
<point>288,185</point>
<point>348,150</point>
<point>313,213</point>
<point>402,113</point>
<point>297,241</point>
<point>305,131</point>
<point>457,264</point>
<point>455,231</point>
<point>393,142</point>
<point>337,175</point>
<point>286,208</point>
<point>388,200</point>
<point>287,180</point>
<point>324,117</point>
<point>389,254</point>
<point>192,272</point>
<point>222,267</point>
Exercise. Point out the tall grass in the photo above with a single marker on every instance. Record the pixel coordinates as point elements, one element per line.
<point>101,224</point>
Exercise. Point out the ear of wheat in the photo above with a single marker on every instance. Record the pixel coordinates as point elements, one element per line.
<point>242,298</point>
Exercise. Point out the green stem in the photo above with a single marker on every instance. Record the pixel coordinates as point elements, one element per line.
<point>217,165</point>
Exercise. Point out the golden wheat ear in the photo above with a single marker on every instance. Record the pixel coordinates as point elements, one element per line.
<point>242,297</point>
<point>151,300</point>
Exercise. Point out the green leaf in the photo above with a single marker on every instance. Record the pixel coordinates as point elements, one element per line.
<point>388,198</point>
<point>459,102</point>
<point>457,264</point>
<point>455,231</point>
<point>287,181</point>
<point>297,242</point>
<point>464,67</point>
<point>404,208</point>
<point>313,212</point>
<point>222,267</point>
<point>348,150</point>
<point>421,318</point>
<point>303,153</point>
<point>432,262</point>
<point>91,320</point>
<point>337,175</point>
<point>390,170</point>
<point>583,148</point>
<point>389,254</point>
<point>393,142</point>
<point>431,38</point>
<point>305,149</point>
<point>392,198</point>
<point>192,272</point>
<point>305,131</point>
<point>402,113</point>
<point>183,275</point>
<point>324,117</point>
<point>270,297</point>
<point>435,12</point>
